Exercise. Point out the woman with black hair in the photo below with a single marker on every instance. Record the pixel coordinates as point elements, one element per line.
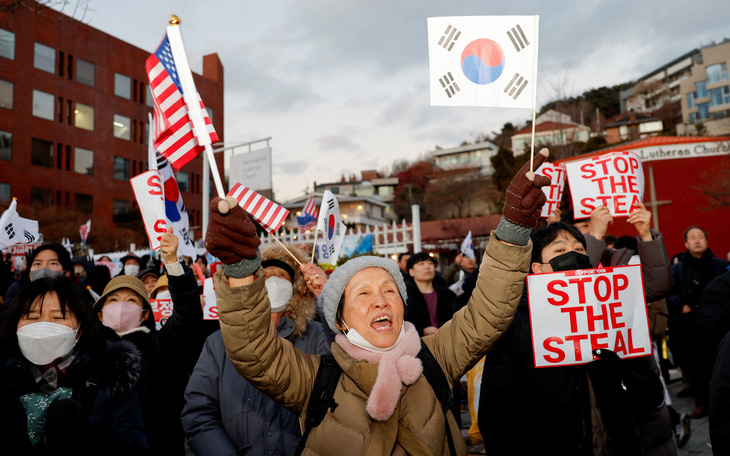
<point>65,388</point>
<point>48,260</point>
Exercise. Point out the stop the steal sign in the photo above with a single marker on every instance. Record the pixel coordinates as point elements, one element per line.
<point>574,312</point>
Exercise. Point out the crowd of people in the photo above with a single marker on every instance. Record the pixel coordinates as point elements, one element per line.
<point>366,360</point>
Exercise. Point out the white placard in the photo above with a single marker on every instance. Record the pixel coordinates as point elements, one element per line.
<point>150,195</point>
<point>554,192</point>
<point>252,169</point>
<point>575,312</point>
<point>614,180</point>
<point>210,306</point>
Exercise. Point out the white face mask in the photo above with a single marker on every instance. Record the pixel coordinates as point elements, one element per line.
<point>43,342</point>
<point>131,270</point>
<point>358,340</point>
<point>163,295</point>
<point>280,292</point>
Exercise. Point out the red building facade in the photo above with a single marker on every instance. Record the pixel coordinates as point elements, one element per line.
<point>74,105</point>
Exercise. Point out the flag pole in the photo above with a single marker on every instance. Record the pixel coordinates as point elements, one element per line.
<point>287,250</point>
<point>534,93</point>
<point>314,246</point>
<point>192,99</point>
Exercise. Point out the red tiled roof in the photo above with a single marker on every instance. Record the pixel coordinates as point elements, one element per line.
<point>458,228</point>
<point>545,126</point>
<point>648,142</point>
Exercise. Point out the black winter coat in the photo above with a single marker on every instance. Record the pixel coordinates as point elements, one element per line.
<point>168,356</point>
<point>524,410</point>
<point>417,311</point>
<point>103,415</point>
<point>720,400</point>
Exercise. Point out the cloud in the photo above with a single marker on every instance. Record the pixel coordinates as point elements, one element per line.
<point>338,142</point>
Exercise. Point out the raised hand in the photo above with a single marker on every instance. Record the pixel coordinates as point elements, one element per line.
<point>524,197</point>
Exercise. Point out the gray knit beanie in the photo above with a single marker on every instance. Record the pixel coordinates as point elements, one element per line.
<point>335,286</point>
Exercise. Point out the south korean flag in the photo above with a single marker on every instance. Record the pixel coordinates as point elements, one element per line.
<point>483,60</point>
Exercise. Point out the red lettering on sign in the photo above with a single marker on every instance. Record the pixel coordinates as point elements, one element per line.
<point>587,168</point>
<point>620,345</point>
<point>594,340</point>
<point>573,311</point>
<point>632,349</point>
<point>615,315</point>
<point>559,355</point>
<point>576,339</point>
<point>552,289</point>
<point>602,316</point>
<point>597,288</point>
<point>620,283</point>
<point>581,281</point>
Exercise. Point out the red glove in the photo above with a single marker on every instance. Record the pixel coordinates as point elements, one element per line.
<point>524,198</point>
<point>231,235</point>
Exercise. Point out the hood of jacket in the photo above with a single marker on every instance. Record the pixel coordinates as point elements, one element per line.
<point>301,308</point>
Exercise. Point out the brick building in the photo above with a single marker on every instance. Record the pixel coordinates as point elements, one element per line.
<point>74,104</point>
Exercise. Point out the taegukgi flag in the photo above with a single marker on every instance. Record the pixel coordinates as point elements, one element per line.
<point>15,229</point>
<point>330,224</point>
<point>467,247</point>
<point>483,60</point>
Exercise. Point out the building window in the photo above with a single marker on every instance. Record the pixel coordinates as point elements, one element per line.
<point>717,72</point>
<point>726,94</point>
<point>716,98</point>
<point>84,161</point>
<point>703,111</point>
<point>85,72</point>
<point>183,181</point>
<point>5,194</point>
<point>41,195</point>
<point>121,168</point>
<point>44,58</point>
<point>41,153</point>
<point>122,86</point>
<point>690,100</point>
<point>43,105</point>
<point>121,127</point>
<point>210,113</point>
<point>121,211</point>
<point>148,101</point>
<point>84,117</point>
<point>6,145</point>
<point>6,94</point>
<point>84,203</point>
<point>701,88</point>
<point>7,44</point>
<point>691,118</point>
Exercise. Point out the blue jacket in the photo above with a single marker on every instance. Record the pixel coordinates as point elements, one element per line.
<point>225,415</point>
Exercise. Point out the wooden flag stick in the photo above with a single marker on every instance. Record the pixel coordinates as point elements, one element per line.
<point>314,246</point>
<point>287,250</point>
<point>532,142</point>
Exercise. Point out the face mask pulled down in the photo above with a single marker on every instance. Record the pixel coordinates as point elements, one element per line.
<point>42,342</point>
<point>358,340</point>
<point>121,316</point>
<point>280,292</point>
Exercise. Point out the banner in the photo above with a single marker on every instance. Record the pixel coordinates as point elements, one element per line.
<point>330,224</point>
<point>483,60</point>
<point>554,192</point>
<point>18,254</point>
<point>150,197</point>
<point>614,180</point>
<point>575,312</point>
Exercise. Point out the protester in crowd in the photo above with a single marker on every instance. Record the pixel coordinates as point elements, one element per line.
<point>697,268</point>
<point>364,300</point>
<point>430,305</point>
<point>149,278</point>
<point>403,265</point>
<point>168,354</point>
<point>161,290</point>
<point>48,260</point>
<point>203,265</point>
<point>608,406</point>
<point>462,263</point>
<point>224,413</point>
<point>131,264</point>
<point>65,388</point>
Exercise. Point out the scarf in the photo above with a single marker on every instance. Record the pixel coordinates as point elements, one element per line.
<point>36,407</point>
<point>400,366</point>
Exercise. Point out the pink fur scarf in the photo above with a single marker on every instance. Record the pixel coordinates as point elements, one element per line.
<point>396,368</point>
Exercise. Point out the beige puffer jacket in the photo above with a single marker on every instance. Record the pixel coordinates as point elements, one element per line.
<point>417,426</point>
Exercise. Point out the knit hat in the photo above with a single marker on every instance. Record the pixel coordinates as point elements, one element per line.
<point>338,280</point>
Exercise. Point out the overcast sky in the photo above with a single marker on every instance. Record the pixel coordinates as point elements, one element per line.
<point>343,86</point>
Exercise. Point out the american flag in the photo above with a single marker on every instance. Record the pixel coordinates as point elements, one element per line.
<point>269,214</point>
<point>309,219</point>
<point>173,131</point>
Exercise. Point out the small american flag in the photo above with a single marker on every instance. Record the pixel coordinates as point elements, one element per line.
<point>269,214</point>
<point>173,131</point>
<point>309,219</point>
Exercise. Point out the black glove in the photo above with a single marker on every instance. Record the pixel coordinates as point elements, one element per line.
<point>524,198</point>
